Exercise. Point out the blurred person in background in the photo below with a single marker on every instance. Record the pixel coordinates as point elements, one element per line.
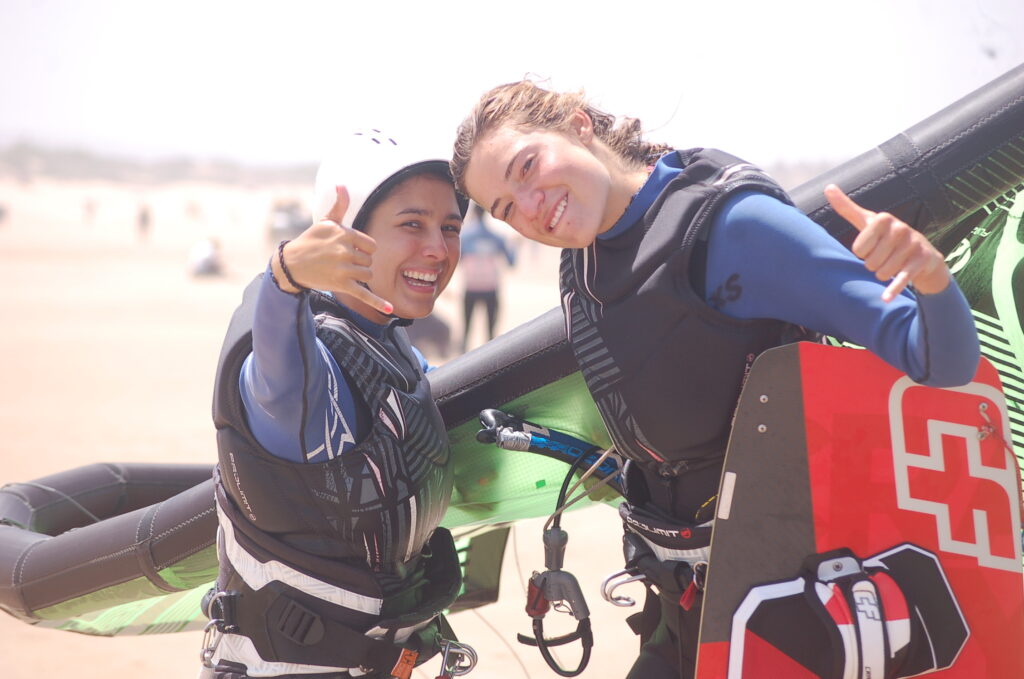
<point>484,256</point>
<point>143,221</point>
<point>205,258</point>
<point>89,212</point>
<point>287,219</point>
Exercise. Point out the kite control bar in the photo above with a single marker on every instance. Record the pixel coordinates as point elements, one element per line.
<point>512,433</point>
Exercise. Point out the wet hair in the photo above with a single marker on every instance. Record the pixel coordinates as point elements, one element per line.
<point>526,104</point>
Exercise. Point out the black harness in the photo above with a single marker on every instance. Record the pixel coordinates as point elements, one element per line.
<point>665,370</point>
<point>663,367</point>
<point>338,564</point>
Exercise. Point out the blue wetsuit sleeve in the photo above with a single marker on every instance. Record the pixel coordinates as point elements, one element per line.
<point>766,259</point>
<point>297,402</point>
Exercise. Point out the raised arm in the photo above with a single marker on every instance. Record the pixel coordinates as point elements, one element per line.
<point>296,399</point>
<point>789,268</point>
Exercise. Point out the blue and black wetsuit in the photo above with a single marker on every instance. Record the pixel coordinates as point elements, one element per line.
<point>334,474</point>
<point>709,266</point>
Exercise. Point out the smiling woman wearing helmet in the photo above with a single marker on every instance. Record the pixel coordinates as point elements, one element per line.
<point>334,468</point>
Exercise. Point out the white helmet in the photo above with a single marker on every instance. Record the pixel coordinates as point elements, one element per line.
<point>368,163</point>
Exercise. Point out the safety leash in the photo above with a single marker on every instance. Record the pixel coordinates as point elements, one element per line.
<point>554,587</point>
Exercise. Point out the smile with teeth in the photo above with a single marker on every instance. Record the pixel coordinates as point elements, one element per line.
<point>425,279</point>
<point>558,213</point>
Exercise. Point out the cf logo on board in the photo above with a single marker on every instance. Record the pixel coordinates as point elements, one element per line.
<point>945,466</point>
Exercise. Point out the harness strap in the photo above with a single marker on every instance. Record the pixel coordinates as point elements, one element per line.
<point>278,629</point>
<point>273,629</point>
<point>645,622</point>
<point>672,556</point>
<point>670,539</point>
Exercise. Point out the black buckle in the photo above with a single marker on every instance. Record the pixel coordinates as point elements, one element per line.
<point>299,624</point>
<point>221,607</point>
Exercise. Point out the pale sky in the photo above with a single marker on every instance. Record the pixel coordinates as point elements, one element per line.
<point>272,82</point>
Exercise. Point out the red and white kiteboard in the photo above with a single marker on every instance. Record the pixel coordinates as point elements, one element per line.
<point>868,527</point>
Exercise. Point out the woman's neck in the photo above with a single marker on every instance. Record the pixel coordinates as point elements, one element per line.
<point>360,308</point>
<point>626,183</point>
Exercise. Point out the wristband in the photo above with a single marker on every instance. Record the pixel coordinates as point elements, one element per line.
<point>284,267</point>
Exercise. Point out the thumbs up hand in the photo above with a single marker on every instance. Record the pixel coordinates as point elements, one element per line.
<point>891,248</point>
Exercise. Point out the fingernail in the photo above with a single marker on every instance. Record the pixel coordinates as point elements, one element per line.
<point>388,308</point>
<point>337,189</point>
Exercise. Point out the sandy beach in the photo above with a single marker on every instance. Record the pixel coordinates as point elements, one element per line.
<point>108,350</point>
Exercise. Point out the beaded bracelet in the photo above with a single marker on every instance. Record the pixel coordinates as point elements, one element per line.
<point>284,267</point>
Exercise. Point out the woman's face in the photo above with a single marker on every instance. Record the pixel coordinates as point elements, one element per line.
<point>416,228</point>
<point>547,185</point>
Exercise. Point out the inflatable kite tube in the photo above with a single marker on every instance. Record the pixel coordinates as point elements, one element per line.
<point>936,172</point>
<point>113,549</point>
<point>99,535</point>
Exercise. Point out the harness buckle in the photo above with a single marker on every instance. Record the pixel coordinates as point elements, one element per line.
<point>301,625</point>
